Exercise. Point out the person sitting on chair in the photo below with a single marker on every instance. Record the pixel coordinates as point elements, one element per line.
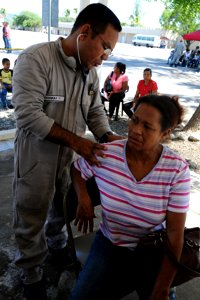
<point>194,61</point>
<point>142,183</point>
<point>119,81</point>
<point>145,87</point>
<point>186,57</point>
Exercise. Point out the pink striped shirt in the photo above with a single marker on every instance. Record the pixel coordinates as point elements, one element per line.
<point>131,208</point>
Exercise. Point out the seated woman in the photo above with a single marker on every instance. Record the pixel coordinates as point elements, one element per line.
<point>145,87</point>
<point>142,183</point>
<point>119,83</point>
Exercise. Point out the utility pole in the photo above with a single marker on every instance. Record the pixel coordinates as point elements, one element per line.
<point>50,15</point>
<point>49,22</point>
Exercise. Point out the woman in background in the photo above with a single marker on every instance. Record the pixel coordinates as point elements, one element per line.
<point>146,86</point>
<point>119,81</point>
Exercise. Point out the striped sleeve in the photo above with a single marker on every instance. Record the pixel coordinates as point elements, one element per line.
<point>84,168</point>
<point>179,195</point>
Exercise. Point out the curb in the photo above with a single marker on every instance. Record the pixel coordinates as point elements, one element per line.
<point>7,144</point>
<point>7,134</point>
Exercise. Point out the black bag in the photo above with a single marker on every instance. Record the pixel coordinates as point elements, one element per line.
<point>108,84</point>
<point>153,246</point>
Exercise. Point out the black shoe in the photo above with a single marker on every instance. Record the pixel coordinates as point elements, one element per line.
<point>61,258</point>
<point>35,291</point>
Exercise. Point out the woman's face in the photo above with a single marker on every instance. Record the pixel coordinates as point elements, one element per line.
<point>147,75</point>
<point>116,70</point>
<point>144,132</point>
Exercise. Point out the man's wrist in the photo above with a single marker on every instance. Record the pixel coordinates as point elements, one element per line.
<point>104,137</point>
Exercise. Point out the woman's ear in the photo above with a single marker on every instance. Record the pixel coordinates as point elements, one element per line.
<point>166,134</point>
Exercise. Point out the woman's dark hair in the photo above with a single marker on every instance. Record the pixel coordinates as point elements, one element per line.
<point>148,70</point>
<point>98,16</point>
<point>121,67</point>
<point>169,107</point>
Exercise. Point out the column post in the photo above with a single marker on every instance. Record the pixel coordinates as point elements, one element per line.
<point>83,4</point>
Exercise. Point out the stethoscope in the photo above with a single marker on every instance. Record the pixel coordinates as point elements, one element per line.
<point>84,74</point>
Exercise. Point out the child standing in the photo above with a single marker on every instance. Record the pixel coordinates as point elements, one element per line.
<point>6,75</point>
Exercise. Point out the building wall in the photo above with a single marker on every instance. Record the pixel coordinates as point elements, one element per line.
<point>125,36</point>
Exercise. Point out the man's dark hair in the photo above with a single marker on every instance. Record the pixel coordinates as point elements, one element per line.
<point>98,16</point>
<point>5,60</point>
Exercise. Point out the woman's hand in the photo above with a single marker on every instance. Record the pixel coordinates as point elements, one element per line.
<point>85,215</point>
<point>110,94</point>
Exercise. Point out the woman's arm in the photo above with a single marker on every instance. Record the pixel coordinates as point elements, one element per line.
<point>175,224</point>
<point>136,97</point>
<point>85,209</point>
<point>125,86</point>
<point>154,88</point>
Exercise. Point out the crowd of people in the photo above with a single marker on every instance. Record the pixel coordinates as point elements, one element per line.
<point>184,57</point>
<point>59,101</point>
<point>119,83</point>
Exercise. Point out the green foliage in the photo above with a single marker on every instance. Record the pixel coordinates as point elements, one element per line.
<point>134,19</point>
<point>181,16</point>
<point>27,19</point>
<point>67,15</point>
<point>3,11</point>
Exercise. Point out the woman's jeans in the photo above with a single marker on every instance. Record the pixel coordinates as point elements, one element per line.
<point>111,272</point>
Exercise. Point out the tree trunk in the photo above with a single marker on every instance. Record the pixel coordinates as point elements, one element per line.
<point>194,122</point>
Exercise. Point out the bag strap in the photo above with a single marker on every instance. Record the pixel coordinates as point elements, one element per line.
<point>168,251</point>
<point>111,74</point>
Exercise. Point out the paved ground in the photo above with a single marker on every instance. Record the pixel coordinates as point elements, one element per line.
<point>181,81</point>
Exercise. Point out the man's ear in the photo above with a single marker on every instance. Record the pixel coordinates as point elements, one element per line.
<point>85,29</point>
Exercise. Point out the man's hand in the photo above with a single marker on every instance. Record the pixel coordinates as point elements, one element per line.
<point>115,137</point>
<point>84,147</point>
<point>85,215</point>
<point>89,150</point>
